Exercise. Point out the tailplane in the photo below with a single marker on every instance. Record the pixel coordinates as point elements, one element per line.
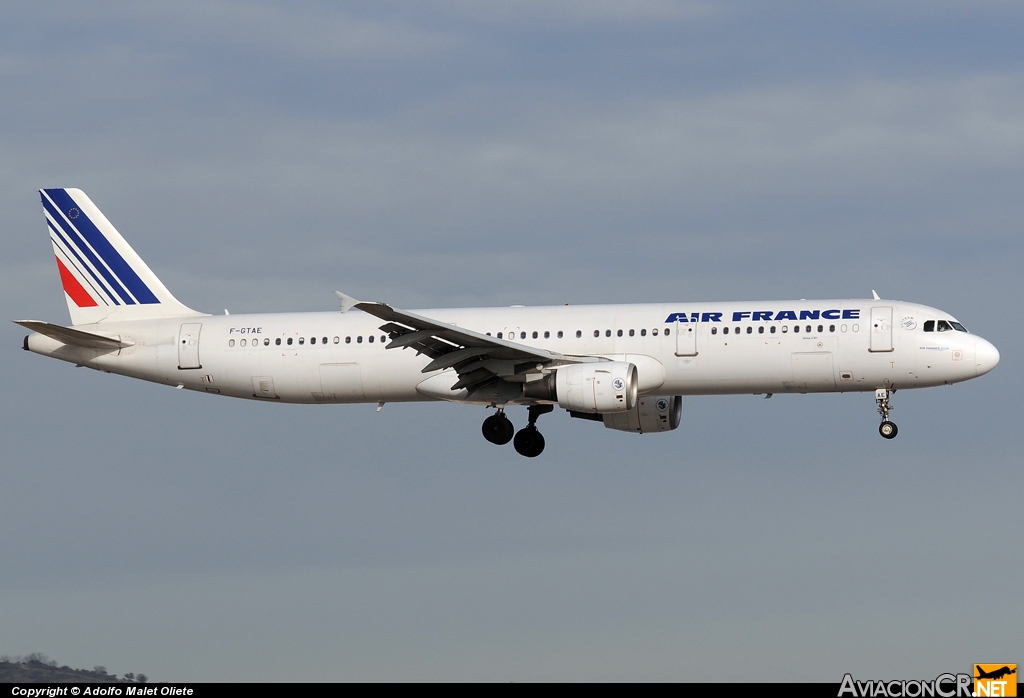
<point>104,279</point>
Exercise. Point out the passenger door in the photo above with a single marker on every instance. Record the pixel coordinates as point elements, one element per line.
<point>188,345</point>
<point>881,329</point>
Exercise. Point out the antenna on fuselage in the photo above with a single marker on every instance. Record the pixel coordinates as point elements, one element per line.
<point>875,295</point>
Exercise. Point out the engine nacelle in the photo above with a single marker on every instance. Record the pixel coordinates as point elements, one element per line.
<point>592,388</point>
<point>651,415</point>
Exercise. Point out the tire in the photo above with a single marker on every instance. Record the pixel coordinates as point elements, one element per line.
<point>498,429</point>
<point>529,442</point>
<point>888,429</point>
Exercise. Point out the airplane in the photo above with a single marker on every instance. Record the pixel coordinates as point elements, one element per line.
<point>627,366</point>
<point>996,674</point>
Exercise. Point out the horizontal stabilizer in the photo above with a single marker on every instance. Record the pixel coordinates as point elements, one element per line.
<point>73,337</point>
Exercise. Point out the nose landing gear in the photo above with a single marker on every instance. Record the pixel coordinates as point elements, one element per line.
<point>529,442</point>
<point>887,429</point>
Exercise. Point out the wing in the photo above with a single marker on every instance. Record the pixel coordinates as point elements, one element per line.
<point>479,359</point>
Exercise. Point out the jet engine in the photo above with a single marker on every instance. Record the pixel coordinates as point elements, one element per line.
<point>651,415</point>
<point>592,388</point>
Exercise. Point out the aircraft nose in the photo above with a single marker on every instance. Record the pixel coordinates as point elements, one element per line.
<point>986,355</point>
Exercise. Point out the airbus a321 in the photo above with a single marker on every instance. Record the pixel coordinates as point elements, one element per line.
<point>626,366</point>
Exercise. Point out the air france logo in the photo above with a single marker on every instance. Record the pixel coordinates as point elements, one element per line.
<point>769,315</point>
<point>618,384</point>
<point>662,404</point>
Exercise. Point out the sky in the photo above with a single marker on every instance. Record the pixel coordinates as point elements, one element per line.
<point>262,155</point>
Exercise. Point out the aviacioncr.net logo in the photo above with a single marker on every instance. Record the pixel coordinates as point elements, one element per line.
<point>943,686</point>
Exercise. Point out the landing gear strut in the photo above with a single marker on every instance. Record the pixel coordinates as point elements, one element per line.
<point>498,429</point>
<point>528,441</point>
<point>887,429</point>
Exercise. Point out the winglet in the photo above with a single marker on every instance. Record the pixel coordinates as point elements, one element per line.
<point>347,302</point>
<point>875,295</point>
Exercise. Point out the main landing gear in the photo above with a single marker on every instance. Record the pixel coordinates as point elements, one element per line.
<point>498,429</point>
<point>887,429</point>
<point>528,441</point>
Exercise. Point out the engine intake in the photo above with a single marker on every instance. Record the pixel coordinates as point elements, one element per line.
<point>595,388</point>
<point>651,415</point>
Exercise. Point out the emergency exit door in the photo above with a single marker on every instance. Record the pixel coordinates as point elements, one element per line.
<point>188,345</point>
<point>686,339</point>
<point>881,329</point>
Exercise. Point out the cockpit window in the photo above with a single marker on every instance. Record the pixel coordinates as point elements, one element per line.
<point>958,327</point>
<point>929,326</point>
<point>943,326</point>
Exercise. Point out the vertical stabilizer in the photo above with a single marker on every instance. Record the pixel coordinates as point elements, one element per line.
<point>103,278</point>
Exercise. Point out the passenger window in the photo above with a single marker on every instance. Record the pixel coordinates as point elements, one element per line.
<point>324,340</point>
<point>348,340</point>
<point>277,341</point>
<point>302,340</point>
<point>383,338</point>
<point>488,334</point>
<point>842,328</point>
<point>337,340</point>
<point>559,334</point>
<point>312,340</point>
<point>666,332</point>
<point>522,335</point>
<point>370,339</point>
<point>289,341</point>
<point>772,330</point>
<point>547,335</point>
<point>831,328</point>
<point>785,329</point>
<point>231,342</point>
<point>619,333</point>
<point>643,333</point>
<point>241,343</point>
<point>535,334</point>
<point>266,342</point>
<point>808,329</point>
<point>654,332</point>
<point>499,335</point>
<point>856,328</point>
<point>597,333</point>
<point>737,330</point>
<point>607,333</point>
<point>714,330</point>
<point>750,330</point>
<point>725,330</point>
<point>579,333</point>
<point>760,330</point>
<point>821,328</point>
<point>631,333</point>
<point>359,339</point>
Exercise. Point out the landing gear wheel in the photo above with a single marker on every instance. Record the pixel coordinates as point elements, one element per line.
<point>888,429</point>
<point>498,429</point>
<point>529,442</point>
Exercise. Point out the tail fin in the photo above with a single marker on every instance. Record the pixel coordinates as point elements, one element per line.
<point>104,279</point>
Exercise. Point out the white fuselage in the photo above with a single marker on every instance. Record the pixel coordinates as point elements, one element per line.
<point>678,348</point>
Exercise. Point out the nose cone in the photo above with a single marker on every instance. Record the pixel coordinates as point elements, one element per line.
<point>986,355</point>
